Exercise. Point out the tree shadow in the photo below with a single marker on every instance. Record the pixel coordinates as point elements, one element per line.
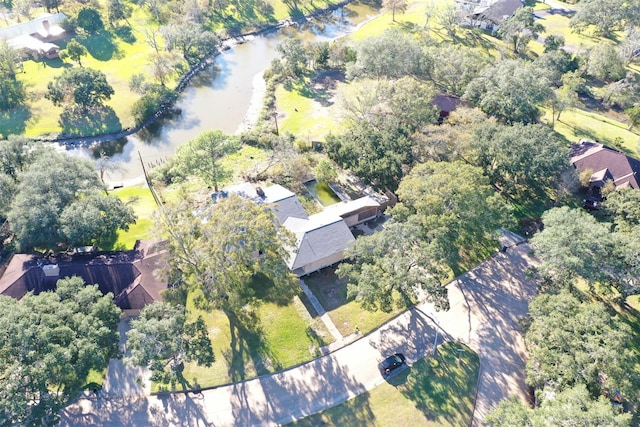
<point>14,121</point>
<point>248,343</point>
<point>125,33</point>
<point>88,122</point>
<point>99,45</point>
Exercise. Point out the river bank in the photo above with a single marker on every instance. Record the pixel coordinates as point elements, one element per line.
<point>72,141</point>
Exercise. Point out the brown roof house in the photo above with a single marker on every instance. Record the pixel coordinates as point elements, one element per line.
<point>606,164</point>
<point>321,239</point>
<point>132,276</point>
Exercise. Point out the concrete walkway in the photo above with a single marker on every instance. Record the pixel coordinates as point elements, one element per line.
<point>486,304</point>
<point>321,311</point>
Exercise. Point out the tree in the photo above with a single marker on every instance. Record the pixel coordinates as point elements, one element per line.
<point>17,153</point>
<point>117,11</point>
<point>201,156</point>
<point>49,343</point>
<point>606,16</point>
<point>161,336</point>
<point>8,186</point>
<point>81,87</point>
<point>92,218</point>
<point>455,66</point>
<point>190,39</point>
<point>74,51</point>
<point>325,172</point>
<point>606,63</point>
<point>387,269</point>
<point>51,184</point>
<point>89,19</point>
<point>553,43</point>
<point>573,406</point>
<point>393,54</point>
<point>634,115</point>
<point>519,158</point>
<point>12,91</point>
<point>454,205</point>
<point>520,28</point>
<point>221,250</point>
<point>395,5</point>
<point>510,90</point>
<point>572,343</point>
<point>590,245</point>
<point>624,206</point>
<point>295,56</point>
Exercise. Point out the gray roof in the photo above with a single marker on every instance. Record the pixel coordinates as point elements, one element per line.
<point>44,25</point>
<point>289,207</point>
<point>318,240</point>
<point>498,11</point>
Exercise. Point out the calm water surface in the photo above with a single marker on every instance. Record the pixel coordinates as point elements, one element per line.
<point>226,96</point>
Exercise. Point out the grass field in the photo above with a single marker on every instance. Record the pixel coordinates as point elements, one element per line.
<point>144,206</point>
<point>575,124</point>
<point>284,336</point>
<point>438,391</point>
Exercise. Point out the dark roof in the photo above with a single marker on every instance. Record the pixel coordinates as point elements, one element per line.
<point>497,12</point>
<point>131,276</point>
<point>446,103</point>
<point>606,163</point>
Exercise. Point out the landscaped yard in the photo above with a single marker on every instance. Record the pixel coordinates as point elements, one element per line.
<point>435,391</point>
<point>144,206</point>
<point>348,316</point>
<point>283,336</point>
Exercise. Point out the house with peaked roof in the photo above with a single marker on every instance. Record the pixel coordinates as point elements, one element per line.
<point>322,238</point>
<point>35,37</point>
<point>605,164</point>
<point>487,14</point>
<point>131,276</point>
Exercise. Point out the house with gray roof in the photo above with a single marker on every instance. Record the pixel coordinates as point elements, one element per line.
<point>487,14</point>
<point>322,238</point>
<point>35,37</point>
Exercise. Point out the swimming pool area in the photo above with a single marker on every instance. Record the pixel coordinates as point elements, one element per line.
<point>322,192</point>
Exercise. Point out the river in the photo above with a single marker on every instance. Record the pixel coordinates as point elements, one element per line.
<point>226,96</point>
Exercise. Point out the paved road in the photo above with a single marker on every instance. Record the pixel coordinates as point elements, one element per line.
<point>486,304</point>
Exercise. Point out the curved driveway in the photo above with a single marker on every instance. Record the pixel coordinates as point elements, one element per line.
<point>486,304</point>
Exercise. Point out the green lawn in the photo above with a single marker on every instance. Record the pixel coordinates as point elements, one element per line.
<point>575,124</point>
<point>433,392</point>
<point>144,206</point>
<point>348,316</point>
<point>284,336</point>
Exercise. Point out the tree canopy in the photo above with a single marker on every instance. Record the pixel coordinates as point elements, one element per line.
<point>222,248</point>
<point>453,204</point>
<point>52,199</point>
<point>511,90</point>
<point>81,87</point>
<point>389,268</point>
<point>161,336</point>
<point>519,157</point>
<point>201,156</point>
<point>572,343</point>
<point>49,343</point>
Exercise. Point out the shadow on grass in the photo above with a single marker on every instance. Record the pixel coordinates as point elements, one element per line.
<point>94,121</point>
<point>248,343</point>
<point>14,121</point>
<point>99,45</point>
<point>443,387</point>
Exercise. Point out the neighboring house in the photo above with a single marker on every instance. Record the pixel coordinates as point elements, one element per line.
<point>35,37</point>
<point>446,104</point>
<point>487,14</point>
<point>321,239</point>
<point>132,276</point>
<point>605,164</point>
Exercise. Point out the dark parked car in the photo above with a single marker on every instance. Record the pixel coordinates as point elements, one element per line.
<point>391,363</point>
<point>591,204</point>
